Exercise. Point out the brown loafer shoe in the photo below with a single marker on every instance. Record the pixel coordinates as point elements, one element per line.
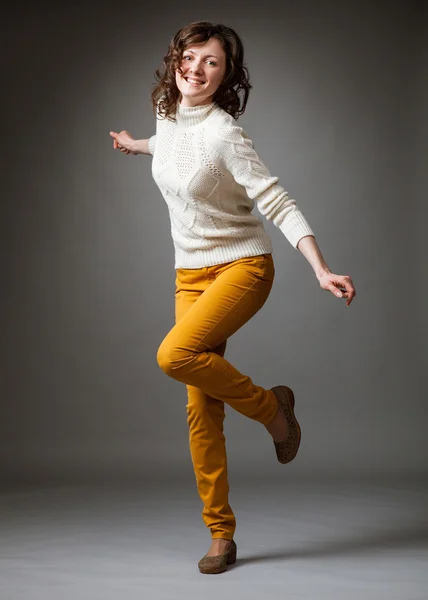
<point>287,449</point>
<point>218,563</point>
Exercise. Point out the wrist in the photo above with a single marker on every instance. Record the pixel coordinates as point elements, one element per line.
<point>133,146</point>
<point>321,271</point>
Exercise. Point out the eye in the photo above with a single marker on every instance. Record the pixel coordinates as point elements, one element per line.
<point>189,57</point>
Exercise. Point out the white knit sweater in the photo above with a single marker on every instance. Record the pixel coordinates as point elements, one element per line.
<point>211,177</point>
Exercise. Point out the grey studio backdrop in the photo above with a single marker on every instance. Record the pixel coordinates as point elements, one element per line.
<point>338,113</point>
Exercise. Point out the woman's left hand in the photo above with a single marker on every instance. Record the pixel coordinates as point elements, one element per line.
<point>341,286</point>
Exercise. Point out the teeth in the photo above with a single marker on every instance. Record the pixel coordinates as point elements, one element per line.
<point>193,80</point>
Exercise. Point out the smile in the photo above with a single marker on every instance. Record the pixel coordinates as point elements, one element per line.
<point>193,81</point>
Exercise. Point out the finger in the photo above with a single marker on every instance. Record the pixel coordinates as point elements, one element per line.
<point>351,296</point>
<point>344,283</point>
<point>345,293</point>
<point>335,291</point>
<point>347,288</point>
<point>350,289</point>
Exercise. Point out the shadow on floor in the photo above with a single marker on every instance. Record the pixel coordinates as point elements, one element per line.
<point>414,535</point>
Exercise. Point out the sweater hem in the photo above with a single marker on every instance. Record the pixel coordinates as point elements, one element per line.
<point>218,255</point>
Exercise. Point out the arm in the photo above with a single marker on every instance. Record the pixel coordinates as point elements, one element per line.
<point>236,152</point>
<point>127,144</point>
<point>140,147</point>
<point>339,285</point>
<point>143,146</point>
<point>273,202</point>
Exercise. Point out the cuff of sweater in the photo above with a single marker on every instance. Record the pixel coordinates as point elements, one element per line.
<point>152,143</point>
<point>295,227</point>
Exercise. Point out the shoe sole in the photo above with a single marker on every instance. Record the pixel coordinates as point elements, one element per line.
<point>286,451</point>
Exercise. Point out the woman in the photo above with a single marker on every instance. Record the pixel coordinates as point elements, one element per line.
<point>210,176</point>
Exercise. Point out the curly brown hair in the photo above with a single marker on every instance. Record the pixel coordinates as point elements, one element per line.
<point>232,94</point>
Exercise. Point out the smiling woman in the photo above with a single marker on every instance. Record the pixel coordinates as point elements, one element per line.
<point>211,178</point>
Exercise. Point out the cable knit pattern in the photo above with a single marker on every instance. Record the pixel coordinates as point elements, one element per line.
<point>211,178</point>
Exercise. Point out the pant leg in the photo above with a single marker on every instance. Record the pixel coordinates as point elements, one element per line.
<point>205,416</point>
<point>237,291</point>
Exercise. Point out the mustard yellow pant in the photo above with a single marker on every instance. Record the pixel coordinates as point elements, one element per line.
<point>211,304</point>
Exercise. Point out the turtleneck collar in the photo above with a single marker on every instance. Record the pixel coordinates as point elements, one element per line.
<point>187,116</point>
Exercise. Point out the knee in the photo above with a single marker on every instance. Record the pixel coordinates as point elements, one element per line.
<point>171,359</point>
<point>163,358</point>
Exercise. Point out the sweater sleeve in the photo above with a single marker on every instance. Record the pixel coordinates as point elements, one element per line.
<point>248,170</point>
<point>152,144</point>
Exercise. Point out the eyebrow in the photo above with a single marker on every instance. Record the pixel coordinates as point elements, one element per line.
<point>206,55</point>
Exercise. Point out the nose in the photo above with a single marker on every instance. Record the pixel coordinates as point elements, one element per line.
<point>195,67</point>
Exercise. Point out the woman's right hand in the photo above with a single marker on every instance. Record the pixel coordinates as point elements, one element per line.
<point>123,141</point>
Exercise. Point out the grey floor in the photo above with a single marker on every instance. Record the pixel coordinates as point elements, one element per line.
<point>333,540</point>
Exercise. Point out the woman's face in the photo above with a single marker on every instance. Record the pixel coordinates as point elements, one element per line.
<point>203,68</point>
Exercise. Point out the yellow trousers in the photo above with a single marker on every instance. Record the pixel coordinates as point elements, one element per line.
<point>211,304</point>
